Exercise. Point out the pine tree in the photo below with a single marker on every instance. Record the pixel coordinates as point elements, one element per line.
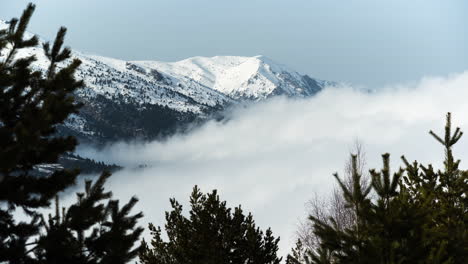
<point>211,234</point>
<point>383,211</point>
<point>395,224</point>
<point>331,207</point>
<point>301,255</point>
<point>347,245</point>
<point>387,229</point>
<point>32,105</point>
<point>418,215</point>
<point>94,232</point>
<point>443,195</point>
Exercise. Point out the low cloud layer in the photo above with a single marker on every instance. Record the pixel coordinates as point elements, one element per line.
<point>272,156</point>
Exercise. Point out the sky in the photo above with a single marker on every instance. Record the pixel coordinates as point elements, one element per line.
<point>370,43</point>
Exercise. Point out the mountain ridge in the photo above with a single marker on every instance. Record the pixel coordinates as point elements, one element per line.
<point>146,99</point>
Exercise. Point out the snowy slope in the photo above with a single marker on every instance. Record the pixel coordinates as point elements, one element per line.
<point>208,81</point>
<point>123,98</point>
<point>237,77</point>
<point>117,79</point>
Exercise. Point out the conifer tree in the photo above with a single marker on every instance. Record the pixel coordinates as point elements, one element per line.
<point>348,245</point>
<point>301,255</point>
<point>211,234</point>
<point>32,104</point>
<point>443,196</point>
<point>419,215</point>
<point>94,232</point>
<point>333,205</point>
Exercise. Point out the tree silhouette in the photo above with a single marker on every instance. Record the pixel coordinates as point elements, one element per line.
<point>32,105</point>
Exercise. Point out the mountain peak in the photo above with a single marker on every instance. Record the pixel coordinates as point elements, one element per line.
<point>124,98</point>
<point>204,80</point>
<point>254,77</point>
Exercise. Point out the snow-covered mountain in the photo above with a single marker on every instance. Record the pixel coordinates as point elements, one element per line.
<point>126,99</point>
<point>238,77</point>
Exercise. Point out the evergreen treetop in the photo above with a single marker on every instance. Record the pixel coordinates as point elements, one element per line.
<point>211,233</point>
<point>32,105</point>
<point>419,215</point>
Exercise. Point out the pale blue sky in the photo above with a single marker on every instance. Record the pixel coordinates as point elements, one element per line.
<point>364,42</point>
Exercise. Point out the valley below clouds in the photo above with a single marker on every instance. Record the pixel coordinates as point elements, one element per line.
<point>272,156</point>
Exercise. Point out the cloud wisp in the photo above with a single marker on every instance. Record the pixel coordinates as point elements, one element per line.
<point>272,156</point>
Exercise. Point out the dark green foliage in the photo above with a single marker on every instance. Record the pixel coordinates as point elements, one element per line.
<point>90,231</point>
<point>86,165</point>
<point>419,215</point>
<point>117,120</point>
<point>72,161</point>
<point>32,105</point>
<point>443,193</point>
<point>211,234</point>
<point>301,254</point>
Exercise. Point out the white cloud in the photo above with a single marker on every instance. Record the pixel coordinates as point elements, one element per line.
<point>270,157</point>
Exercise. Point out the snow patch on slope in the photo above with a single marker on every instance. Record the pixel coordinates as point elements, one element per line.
<point>236,76</point>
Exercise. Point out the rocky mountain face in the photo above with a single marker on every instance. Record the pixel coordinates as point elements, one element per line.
<point>145,99</point>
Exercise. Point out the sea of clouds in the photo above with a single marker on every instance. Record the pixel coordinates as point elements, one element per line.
<point>272,156</point>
